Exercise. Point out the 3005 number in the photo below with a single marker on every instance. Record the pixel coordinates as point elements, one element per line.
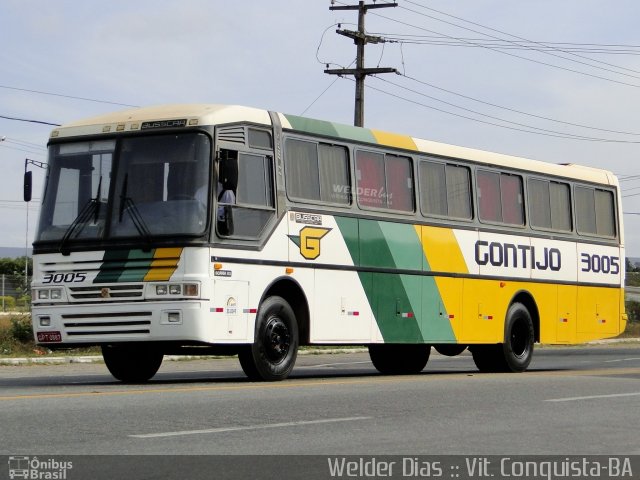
<point>600,263</point>
<point>71,277</point>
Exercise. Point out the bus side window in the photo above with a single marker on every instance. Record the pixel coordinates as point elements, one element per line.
<point>226,191</point>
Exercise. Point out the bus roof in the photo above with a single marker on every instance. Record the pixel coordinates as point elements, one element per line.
<point>214,114</point>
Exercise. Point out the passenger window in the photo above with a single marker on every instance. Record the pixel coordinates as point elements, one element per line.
<point>595,213</point>
<point>500,197</point>
<point>549,205</point>
<point>317,171</point>
<point>445,190</point>
<point>384,181</point>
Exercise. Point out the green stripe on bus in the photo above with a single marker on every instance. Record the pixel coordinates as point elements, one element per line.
<point>124,266</point>
<point>407,308</point>
<point>329,129</point>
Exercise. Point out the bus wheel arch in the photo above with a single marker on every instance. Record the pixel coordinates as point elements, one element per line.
<point>281,321</point>
<point>526,299</point>
<point>291,291</point>
<point>520,334</point>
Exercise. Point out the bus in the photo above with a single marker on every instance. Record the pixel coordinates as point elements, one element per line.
<point>214,229</point>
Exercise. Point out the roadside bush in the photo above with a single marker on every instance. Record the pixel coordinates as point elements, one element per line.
<point>24,302</point>
<point>633,311</point>
<point>9,303</point>
<point>21,330</point>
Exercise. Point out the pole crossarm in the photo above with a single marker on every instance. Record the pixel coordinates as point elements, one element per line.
<point>365,7</point>
<point>360,38</point>
<point>359,71</point>
<point>357,36</point>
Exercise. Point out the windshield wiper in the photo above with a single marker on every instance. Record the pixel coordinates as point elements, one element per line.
<point>127,205</point>
<point>92,207</point>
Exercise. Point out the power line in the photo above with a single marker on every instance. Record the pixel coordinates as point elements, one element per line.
<point>500,44</point>
<point>525,130</point>
<point>518,111</point>
<point>24,143</point>
<point>530,127</point>
<point>519,38</point>
<point>22,150</point>
<point>510,54</point>
<point>66,96</point>
<point>16,119</point>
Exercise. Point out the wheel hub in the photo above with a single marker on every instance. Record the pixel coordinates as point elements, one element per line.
<point>277,339</point>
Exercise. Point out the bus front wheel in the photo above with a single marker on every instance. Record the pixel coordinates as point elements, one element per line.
<point>394,359</point>
<point>275,348</point>
<point>132,363</point>
<point>515,354</point>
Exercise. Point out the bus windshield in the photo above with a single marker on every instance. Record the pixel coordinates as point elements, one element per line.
<point>142,187</point>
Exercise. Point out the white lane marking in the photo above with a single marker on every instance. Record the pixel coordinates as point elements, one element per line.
<point>333,364</point>
<point>249,427</point>
<point>591,397</point>
<point>622,360</point>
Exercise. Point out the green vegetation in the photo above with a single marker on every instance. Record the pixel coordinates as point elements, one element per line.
<point>16,337</point>
<point>16,293</point>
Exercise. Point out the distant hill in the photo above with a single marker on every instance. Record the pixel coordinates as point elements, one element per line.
<point>12,252</point>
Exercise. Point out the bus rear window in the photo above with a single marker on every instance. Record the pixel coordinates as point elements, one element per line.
<point>595,214</point>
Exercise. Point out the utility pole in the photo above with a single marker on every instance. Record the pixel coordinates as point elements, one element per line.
<point>360,38</point>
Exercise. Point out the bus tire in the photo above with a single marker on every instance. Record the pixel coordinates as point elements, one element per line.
<point>450,349</point>
<point>273,353</point>
<point>519,338</point>
<point>515,354</point>
<point>132,363</point>
<point>395,359</point>
<point>487,357</point>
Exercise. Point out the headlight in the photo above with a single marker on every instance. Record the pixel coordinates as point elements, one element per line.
<point>175,290</point>
<point>44,294</point>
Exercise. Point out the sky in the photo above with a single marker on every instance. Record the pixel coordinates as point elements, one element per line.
<point>483,74</point>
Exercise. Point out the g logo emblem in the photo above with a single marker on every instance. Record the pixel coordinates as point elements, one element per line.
<point>309,241</point>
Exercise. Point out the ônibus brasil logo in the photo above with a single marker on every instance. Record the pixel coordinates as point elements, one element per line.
<point>38,469</point>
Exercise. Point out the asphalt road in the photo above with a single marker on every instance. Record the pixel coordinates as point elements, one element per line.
<point>578,400</point>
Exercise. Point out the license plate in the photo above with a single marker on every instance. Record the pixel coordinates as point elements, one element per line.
<point>49,337</point>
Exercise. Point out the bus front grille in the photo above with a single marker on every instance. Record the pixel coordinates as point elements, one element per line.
<point>98,324</point>
<point>106,293</point>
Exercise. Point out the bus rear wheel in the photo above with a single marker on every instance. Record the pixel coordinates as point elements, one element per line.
<point>274,351</point>
<point>515,354</point>
<point>132,363</point>
<point>395,359</point>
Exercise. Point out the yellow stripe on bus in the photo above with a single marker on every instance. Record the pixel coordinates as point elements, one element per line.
<point>165,261</point>
<point>394,140</point>
<point>441,249</point>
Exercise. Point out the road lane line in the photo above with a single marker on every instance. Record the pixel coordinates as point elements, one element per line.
<point>305,383</point>
<point>622,360</point>
<point>591,397</point>
<point>249,427</point>
<point>333,364</point>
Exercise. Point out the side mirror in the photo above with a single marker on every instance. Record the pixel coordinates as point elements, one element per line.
<point>28,186</point>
